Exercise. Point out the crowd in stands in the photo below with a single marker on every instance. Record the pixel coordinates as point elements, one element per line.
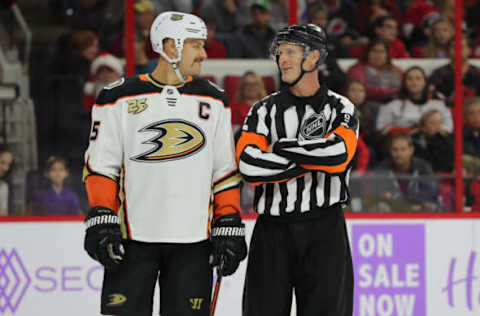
<point>406,121</point>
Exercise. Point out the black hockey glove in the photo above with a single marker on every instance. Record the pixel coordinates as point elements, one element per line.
<point>103,238</point>
<point>228,243</point>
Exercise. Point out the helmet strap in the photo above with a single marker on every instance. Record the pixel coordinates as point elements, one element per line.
<point>302,72</point>
<point>175,64</point>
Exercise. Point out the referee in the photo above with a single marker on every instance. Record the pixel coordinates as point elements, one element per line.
<point>296,147</point>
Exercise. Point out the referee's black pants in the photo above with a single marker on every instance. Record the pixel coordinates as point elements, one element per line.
<point>310,257</point>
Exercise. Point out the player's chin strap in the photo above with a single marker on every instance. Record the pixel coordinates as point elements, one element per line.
<point>175,64</point>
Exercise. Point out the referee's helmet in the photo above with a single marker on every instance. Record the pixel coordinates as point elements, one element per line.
<point>310,36</point>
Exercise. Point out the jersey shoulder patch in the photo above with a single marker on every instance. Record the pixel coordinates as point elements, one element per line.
<point>200,86</point>
<point>123,87</point>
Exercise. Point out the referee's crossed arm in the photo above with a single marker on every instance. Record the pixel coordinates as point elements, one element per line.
<point>296,166</point>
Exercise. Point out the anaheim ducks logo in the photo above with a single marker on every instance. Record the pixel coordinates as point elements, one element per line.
<point>175,139</point>
<point>116,299</point>
<point>176,17</point>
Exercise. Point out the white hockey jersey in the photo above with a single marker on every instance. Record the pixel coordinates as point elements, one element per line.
<point>172,147</point>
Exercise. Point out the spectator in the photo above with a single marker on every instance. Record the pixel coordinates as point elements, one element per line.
<point>355,92</point>
<point>433,144</point>
<point>375,69</point>
<point>173,5</point>
<point>214,47</point>
<point>386,29</point>
<point>279,11</point>
<point>362,157</point>
<point>441,34</point>
<point>56,199</point>
<point>373,9</point>
<point>144,16</point>
<point>100,16</point>
<point>6,164</point>
<point>471,129</point>
<point>84,49</point>
<point>318,15</point>
<point>405,112</point>
<point>250,90</point>
<point>471,171</point>
<point>417,18</point>
<point>341,16</point>
<point>105,69</point>
<point>446,8</point>
<point>406,182</point>
<point>230,15</point>
<point>253,40</point>
<point>143,64</point>
<point>443,78</point>
<point>367,111</point>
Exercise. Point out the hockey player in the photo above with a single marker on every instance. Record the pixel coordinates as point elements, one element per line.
<point>296,147</point>
<point>161,152</point>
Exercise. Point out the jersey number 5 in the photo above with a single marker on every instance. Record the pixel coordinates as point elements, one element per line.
<point>94,132</point>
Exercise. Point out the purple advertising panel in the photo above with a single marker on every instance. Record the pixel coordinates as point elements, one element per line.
<point>389,262</point>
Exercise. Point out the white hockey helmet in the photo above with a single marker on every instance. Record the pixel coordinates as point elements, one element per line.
<point>178,26</point>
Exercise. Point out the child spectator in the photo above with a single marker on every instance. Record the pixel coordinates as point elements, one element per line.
<point>356,92</point>
<point>56,199</point>
<point>368,111</point>
<point>433,144</point>
<point>250,90</point>
<point>441,34</point>
<point>405,112</point>
<point>6,162</point>
<point>375,69</point>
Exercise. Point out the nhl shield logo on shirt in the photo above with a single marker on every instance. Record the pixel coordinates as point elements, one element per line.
<point>315,126</point>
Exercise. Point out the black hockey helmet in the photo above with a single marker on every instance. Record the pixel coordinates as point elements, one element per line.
<point>310,36</point>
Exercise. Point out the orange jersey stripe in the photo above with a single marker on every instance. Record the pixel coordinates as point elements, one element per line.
<point>102,191</point>
<point>226,202</point>
<point>250,138</point>
<point>350,139</point>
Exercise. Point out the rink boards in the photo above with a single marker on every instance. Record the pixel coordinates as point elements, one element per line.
<point>403,266</point>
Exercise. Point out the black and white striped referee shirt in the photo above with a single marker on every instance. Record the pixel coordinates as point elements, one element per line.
<point>314,142</point>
